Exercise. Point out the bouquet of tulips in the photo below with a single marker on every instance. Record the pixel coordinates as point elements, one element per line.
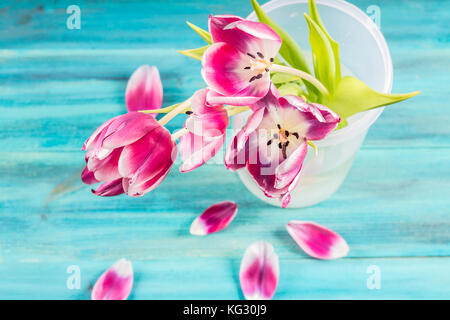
<point>248,66</point>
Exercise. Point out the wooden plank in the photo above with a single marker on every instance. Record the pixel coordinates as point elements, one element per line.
<point>209,278</point>
<point>388,206</point>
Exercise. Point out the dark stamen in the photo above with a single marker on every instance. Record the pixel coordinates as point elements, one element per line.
<point>286,133</point>
<point>247,68</point>
<point>189,112</point>
<point>252,79</point>
<point>286,143</point>
<point>259,76</point>
<point>260,55</point>
<point>271,59</point>
<point>295,134</point>
<point>280,145</point>
<point>284,150</point>
<point>269,142</point>
<point>279,127</point>
<point>267,69</point>
<point>250,55</point>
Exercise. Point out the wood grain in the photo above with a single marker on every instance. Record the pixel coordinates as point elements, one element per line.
<point>57,86</point>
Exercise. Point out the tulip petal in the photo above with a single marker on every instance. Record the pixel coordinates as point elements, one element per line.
<point>259,271</point>
<point>244,35</point>
<point>144,89</point>
<point>223,69</point>
<point>128,128</point>
<point>217,23</point>
<point>207,120</point>
<point>115,283</point>
<point>317,120</point>
<point>196,150</point>
<point>217,217</point>
<point>286,172</point>
<point>241,147</point>
<point>88,177</point>
<point>317,241</point>
<point>245,97</point>
<point>109,189</point>
<point>105,169</point>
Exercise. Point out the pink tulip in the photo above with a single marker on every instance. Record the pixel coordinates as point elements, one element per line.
<point>144,89</point>
<point>115,283</point>
<point>317,241</point>
<point>237,65</point>
<point>130,154</point>
<point>207,130</point>
<point>259,271</point>
<point>217,217</point>
<point>273,143</point>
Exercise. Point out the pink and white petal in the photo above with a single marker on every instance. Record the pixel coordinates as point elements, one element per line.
<point>95,136</point>
<point>138,190</point>
<point>239,99</point>
<point>223,69</point>
<point>317,241</point>
<point>109,189</point>
<point>246,36</point>
<point>107,169</point>
<point>128,128</point>
<point>217,23</point>
<point>286,172</point>
<point>135,154</point>
<point>115,283</point>
<point>259,271</point>
<point>237,152</point>
<point>196,150</point>
<point>164,153</point>
<point>217,217</point>
<point>144,89</point>
<point>270,99</point>
<point>317,120</point>
<point>207,120</point>
<point>88,177</point>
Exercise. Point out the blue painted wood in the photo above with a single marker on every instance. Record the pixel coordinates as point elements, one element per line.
<point>57,85</point>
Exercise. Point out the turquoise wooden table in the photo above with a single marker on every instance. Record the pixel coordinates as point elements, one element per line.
<point>57,85</point>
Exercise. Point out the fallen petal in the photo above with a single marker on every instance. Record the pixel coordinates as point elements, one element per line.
<point>215,218</point>
<point>259,271</point>
<point>317,241</point>
<point>115,283</point>
<point>144,89</point>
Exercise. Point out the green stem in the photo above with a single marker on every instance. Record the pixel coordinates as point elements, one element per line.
<point>180,108</point>
<point>162,110</point>
<point>303,75</point>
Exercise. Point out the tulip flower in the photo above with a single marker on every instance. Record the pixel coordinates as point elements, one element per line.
<point>144,89</point>
<point>272,145</point>
<point>206,126</point>
<point>115,283</point>
<point>131,154</point>
<point>259,271</point>
<point>237,65</point>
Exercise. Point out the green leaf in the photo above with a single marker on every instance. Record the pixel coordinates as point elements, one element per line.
<point>291,88</point>
<point>323,57</point>
<point>195,53</point>
<point>353,96</point>
<point>289,50</point>
<point>202,33</point>
<point>314,13</point>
